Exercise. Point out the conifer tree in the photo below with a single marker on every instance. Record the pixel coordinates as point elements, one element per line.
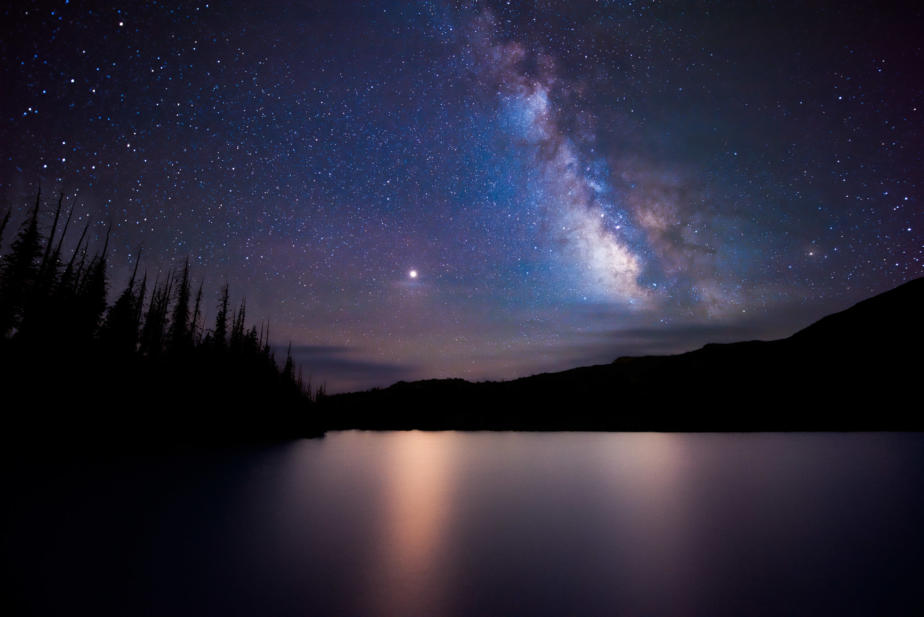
<point>47,276</point>
<point>19,271</point>
<point>91,294</point>
<point>46,256</point>
<point>194,322</point>
<point>237,329</point>
<point>38,311</point>
<point>56,255</point>
<point>288,370</point>
<point>180,338</point>
<point>3,223</point>
<point>153,332</point>
<point>220,335</point>
<point>120,330</point>
<point>139,303</point>
<point>66,288</point>
<point>252,343</point>
<point>91,297</point>
<point>64,296</point>
<point>267,350</point>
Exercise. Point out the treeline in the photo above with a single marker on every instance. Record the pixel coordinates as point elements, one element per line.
<point>144,365</point>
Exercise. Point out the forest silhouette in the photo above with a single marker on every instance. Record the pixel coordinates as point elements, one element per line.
<point>74,365</point>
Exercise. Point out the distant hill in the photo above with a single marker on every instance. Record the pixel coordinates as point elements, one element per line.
<point>857,369</point>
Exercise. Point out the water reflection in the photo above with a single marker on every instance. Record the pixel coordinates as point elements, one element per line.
<point>642,483</point>
<point>416,504</point>
<point>472,524</point>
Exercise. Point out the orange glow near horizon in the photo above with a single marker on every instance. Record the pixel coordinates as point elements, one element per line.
<point>417,503</point>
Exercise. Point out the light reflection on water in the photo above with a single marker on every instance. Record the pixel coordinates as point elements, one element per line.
<point>415,509</point>
<point>445,523</point>
<point>585,523</point>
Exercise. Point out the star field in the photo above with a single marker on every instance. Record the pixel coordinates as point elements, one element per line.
<point>482,189</point>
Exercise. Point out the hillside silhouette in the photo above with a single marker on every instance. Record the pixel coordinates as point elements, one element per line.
<point>858,369</point>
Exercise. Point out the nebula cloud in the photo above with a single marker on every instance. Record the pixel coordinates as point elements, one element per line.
<point>570,197</point>
<point>639,233</point>
<point>571,181</point>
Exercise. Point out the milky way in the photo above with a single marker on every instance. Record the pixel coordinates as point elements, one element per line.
<point>570,182</point>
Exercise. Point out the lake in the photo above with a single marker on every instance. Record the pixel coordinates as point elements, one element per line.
<point>449,524</point>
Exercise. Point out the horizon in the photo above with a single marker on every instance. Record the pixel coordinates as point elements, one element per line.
<point>486,192</point>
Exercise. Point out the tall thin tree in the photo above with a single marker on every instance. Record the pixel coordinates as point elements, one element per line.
<point>180,338</point>
<point>19,271</point>
<point>221,320</point>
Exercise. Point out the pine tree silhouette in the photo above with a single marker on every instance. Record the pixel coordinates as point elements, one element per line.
<point>46,264</point>
<point>119,333</point>
<point>66,289</point>
<point>190,380</point>
<point>195,330</point>
<point>220,334</point>
<point>36,325</point>
<point>19,272</point>
<point>153,332</point>
<point>3,224</point>
<point>267,350</point>
<point>288,370</point>
<point>236,342</point>
<point>91,296</point>
<point>180,336</point>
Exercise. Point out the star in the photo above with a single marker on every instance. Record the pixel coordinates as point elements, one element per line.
<point>560,157</point>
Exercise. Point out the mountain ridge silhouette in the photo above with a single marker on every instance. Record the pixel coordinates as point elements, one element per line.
<point>855,369</point>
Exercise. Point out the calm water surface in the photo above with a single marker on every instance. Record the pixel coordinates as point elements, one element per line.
<point>478,524</point>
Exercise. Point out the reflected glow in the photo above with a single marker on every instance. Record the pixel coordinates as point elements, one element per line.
<point>654,457</point>
<point>417,524</point>
<point>646,473</point>
<point>650,469</point>
<point>415,510</point>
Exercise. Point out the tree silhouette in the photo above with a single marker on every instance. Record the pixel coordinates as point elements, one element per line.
<point>180,334</point>
<point>19,271</point>
<point>155,320</point>
<point>37,319</point>
<point>195,332</point>
<point>220,334</point>
<point>288,369</point>
<point>120,330</point>
<point>91,295</point>
<point>3,224</point>
<point>236,341</point>
<point>145,355</point>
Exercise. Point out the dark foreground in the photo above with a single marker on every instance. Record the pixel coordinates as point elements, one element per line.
<point>472,524</point>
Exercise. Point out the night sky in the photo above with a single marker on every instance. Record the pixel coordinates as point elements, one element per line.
<point>482,190</point>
